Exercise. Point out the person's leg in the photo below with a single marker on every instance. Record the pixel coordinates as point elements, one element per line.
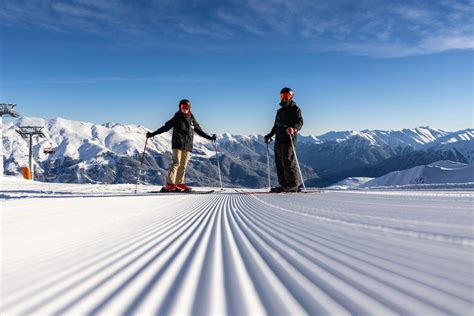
<point>290,168</point>
<point>174,167</point>
<point>183,163</point>
<point>280,167</point>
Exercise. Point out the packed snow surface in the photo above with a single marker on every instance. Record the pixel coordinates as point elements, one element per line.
<point>92,249</point>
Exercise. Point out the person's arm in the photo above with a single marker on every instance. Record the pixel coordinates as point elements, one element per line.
<point>200,132</point>
<point>299,120</point>
<point>292,130</point>
<point>267,137</point>
<point>168,125</point>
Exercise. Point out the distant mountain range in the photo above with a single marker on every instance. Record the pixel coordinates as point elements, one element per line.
<point>110,153</point>
<point>340,155</point>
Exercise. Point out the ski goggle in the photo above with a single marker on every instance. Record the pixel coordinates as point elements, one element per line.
<point>185,106</point>
<point>286,95</point>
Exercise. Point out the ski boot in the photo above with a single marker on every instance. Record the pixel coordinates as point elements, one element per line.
<point>169,187</point>
<point>277,189</point>
<point>292,189</point>
<point>183,187</point>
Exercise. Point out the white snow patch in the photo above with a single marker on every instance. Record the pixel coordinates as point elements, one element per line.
<point>350,183</point>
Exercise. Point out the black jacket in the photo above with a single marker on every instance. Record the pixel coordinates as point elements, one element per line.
<point>287,116</point>
<point>183,131</point>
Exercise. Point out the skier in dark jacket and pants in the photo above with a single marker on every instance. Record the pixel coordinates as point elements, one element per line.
<point>288,122</point>
<point>184,125</point>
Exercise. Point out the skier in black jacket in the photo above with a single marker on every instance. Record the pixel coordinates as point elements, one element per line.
<point>184,125</point>
<point>288,122</point>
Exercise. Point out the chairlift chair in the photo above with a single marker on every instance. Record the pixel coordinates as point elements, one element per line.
<point>49,150</point>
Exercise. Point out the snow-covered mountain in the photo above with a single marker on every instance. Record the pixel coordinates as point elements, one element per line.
<point>415,138</point>
<point>375,153</point>
<point>440,172</point>
<point>458,144</point>
<point>110,153</point>
<point>86,152</point>
<point>86,141</point>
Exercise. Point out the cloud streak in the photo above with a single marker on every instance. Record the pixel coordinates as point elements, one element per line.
<point>112,80</point>
<point>371,28</point>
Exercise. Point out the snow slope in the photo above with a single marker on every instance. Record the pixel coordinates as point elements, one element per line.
<point>350,183</point>
<point>443,171</point>
<point>334,253</point>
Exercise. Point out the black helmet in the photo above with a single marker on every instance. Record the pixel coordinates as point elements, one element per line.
<point>286,94</point>
<point>184,101</point>
<point>286,90</point>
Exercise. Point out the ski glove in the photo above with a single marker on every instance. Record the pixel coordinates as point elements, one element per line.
<point>213,137</point>
<point>291,131</point>
<point>149,134</point>
<point>267,138</point>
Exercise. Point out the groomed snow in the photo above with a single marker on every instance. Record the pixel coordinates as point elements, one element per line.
<point>94,249</point>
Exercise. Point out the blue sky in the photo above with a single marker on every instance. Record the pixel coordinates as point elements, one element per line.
<point>352,64</point>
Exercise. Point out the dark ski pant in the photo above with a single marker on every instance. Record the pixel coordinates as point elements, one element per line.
<point>286,165</point>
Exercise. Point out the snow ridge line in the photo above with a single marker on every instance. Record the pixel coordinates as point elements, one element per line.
<point>385,219</point>
<point>111,252</point>
<point>272,290</point>
<point>307,293</point>
<point>467,242</point>
<point>339,289</point>
<point>163,249</point>
<point>364,214</point>
<point>396,198</point>
<point>158,290</point>
<point>118,263</point>
<point>401,279</point>
<point>323,235</point>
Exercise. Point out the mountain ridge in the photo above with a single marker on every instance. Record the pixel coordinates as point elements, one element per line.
<point>110,152</point>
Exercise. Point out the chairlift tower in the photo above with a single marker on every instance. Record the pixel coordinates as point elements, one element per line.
<point>28,132</point>
<point>6,109</point>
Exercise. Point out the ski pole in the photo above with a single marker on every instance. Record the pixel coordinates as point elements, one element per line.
<point>297,163</point>
<point>141,164</point>
<point>268,166</point>
<point>218,166</point>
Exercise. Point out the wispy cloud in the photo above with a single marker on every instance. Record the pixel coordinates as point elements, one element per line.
<point>112,80</point>
<point>74,10</point>
<point>240,20</point>
<point>372,28</point>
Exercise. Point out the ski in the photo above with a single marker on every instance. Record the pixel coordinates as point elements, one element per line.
<point>275,193</point>
<point>180,192</point>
